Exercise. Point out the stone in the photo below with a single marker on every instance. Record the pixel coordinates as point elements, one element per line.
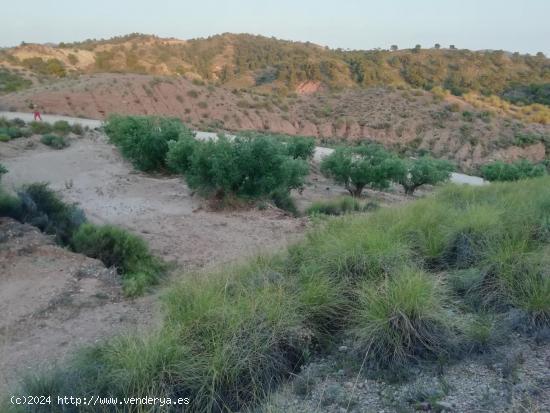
<point>443,407</point>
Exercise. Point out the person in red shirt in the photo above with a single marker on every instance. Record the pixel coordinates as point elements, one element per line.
<point>37,114</point>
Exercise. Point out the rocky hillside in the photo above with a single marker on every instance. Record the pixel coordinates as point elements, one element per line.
<point>267,63</point>
<point>407,120</point>
<point>464,105</point>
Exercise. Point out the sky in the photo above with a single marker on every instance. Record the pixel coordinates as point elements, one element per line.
<point>513,25</point>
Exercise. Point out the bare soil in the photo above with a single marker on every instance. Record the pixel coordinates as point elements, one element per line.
<point>53,301</point>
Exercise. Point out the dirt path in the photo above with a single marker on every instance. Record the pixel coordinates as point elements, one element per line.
<point>28,117</point>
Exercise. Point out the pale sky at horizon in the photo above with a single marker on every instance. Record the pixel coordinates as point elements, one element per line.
<point>474,24</point>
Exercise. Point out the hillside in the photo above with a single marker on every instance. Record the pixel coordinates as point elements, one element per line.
<point>255,61</point>
<point>409,121</point>
<point>464,105</point>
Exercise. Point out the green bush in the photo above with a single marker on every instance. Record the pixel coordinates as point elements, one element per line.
<point>41,207</point>
<point>246,166</point>
<point>62,127</point>
<point>40,128</point>
<point>522,169</point>
<point>4,138</point>
<point>54,141</point>
<point>402,317</point>
<point>178,158</point>
<point>118,248</point>
<point>10,206</point>
<point>424,171</point>
<point>144,139</point>
<point>300,147</point>
<point>360,166</point>
<point>12,132</point>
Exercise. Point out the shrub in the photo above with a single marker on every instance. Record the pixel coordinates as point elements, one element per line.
<point>178,158</point>
<point>40,128</point>
<point>360,166</point>
<point>54,141</point>
<point>118,248</point>
<point>282,199</point>
<point>4,138</point>
<point>62,127</point>
<point>12,132</point>
<point>249,167</point>
<point>144,139</point>
<point>401,318</point>
<point>41,207</point>
<point>522,169</point>
<point>77,129</point>
<point>300,147</point>
<point>424,171</point>
<point>10,206</point>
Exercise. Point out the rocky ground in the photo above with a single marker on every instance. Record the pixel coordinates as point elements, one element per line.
<point>512,378</point>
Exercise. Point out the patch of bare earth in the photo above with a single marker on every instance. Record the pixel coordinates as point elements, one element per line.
<point>53,301</point>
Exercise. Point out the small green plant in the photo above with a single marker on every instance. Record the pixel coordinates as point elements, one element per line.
<point>62,127</point>
<point>402,317</point>
<point>118,248</point>
<point>10,206</point>
<point>54,141</point>
<point>42,207</point>
<point>40,128</point>
<point>4,138</point>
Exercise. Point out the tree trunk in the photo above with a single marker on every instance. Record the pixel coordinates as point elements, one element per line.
<point>409,189</point>
<point>356,192</point>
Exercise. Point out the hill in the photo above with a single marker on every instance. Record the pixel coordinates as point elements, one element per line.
<point>256,61</point>
<point>465,105</point>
